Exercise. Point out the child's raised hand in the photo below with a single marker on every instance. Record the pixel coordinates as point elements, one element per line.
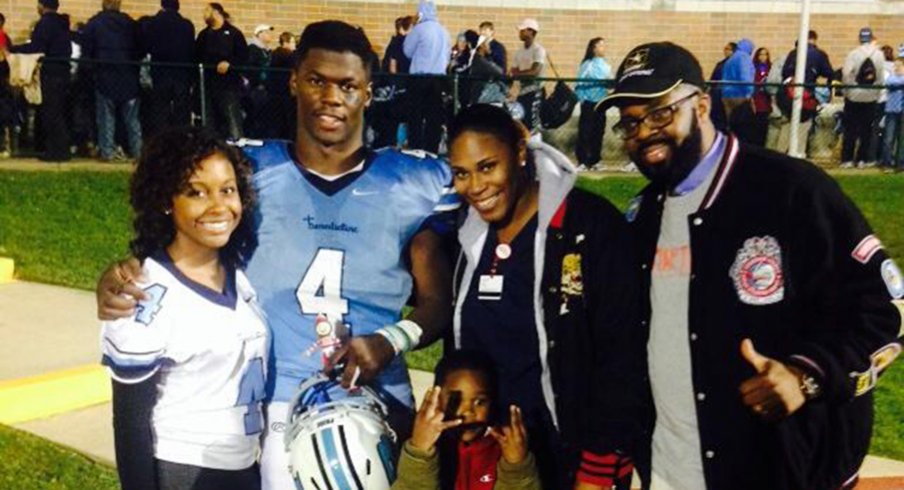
<point>513,437</point>
<point>428,423</point>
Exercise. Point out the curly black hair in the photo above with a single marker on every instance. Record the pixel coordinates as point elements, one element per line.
<point>167,161</point>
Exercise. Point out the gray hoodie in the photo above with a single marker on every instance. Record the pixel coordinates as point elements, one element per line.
<point>852,65</point>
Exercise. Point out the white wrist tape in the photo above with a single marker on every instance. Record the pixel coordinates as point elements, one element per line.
<point>403,336</point>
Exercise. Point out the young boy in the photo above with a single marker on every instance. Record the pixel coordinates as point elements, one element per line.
<point>455,444</point>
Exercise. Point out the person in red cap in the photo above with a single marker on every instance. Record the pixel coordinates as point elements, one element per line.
<point>768,302</point>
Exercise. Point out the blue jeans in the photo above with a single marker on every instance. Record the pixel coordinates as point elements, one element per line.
<point>106,109</point>
<point>891,141</point>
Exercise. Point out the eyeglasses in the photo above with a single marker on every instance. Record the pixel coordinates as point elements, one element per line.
<point>628,127</point>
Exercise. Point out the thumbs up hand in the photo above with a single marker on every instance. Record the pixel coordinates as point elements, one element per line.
<point>774,392</point>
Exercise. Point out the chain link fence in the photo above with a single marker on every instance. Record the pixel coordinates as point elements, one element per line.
<point>109,108</point>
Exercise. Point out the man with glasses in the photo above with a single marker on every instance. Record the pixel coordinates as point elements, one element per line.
<point>769,306</point>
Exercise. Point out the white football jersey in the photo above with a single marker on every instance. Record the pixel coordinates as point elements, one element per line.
<point>211,351</point>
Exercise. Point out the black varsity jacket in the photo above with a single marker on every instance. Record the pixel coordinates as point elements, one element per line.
<point>780,255</point>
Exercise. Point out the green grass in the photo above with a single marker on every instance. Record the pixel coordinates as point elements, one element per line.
<point>65,227</point>
<point>28,462</point>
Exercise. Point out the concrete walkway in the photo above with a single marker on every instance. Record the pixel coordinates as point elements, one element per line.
<point>52,385</point>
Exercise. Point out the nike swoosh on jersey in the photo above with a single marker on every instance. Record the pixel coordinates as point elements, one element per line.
<point>359,192</point>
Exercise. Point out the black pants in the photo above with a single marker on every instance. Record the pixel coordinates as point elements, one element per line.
<point>858,126</point>
<point>170,104</point>
<point>759,130</point>
<point>385,127</point>
<point>54,127</point>
<point>259,122</point>
<point>425,119</point>
<point>591,127</point>
<point>280,117</point>
<point>224,111</point>
<point>175,476</point>
<point>530,102</point>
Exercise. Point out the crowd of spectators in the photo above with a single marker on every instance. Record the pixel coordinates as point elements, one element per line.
<point>113,101</point>
<point>753,90</point>
<point>107,84</point>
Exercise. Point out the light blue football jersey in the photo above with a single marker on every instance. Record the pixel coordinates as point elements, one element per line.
<point>341,254</point>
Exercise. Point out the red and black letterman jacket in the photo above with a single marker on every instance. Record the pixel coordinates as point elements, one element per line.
<point>780,255</point>
<point>586,291</point>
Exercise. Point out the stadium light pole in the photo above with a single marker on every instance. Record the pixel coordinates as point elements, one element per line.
<point>794,147</point>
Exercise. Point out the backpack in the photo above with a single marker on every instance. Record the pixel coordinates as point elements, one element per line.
<point>784,99</point>
<point>557,108</point>
<point>866,74</point>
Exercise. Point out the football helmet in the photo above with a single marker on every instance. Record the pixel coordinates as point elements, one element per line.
<point>342,444</point>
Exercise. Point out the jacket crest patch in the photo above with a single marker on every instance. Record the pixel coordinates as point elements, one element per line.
<point>757,272</point>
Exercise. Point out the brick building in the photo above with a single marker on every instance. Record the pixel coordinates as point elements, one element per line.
<point>704,26</point>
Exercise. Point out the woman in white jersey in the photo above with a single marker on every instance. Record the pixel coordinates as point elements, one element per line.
<point>188,366</point>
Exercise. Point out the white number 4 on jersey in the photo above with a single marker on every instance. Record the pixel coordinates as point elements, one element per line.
<point>320,290</point>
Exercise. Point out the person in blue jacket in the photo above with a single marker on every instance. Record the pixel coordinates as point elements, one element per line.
<point>736,95</point>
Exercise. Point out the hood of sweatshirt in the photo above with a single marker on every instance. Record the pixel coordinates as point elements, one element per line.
<point>426,9</point>
<point>746,45</point>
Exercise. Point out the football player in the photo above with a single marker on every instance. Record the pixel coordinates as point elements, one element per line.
<point>343,232</point>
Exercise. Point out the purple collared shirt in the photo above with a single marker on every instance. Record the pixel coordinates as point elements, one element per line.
<point>701,171</point>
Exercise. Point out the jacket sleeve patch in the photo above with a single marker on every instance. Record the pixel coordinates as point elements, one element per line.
<point>881,359</point>
<point>891,274</point>
<point>866,249</point>
<point>633,208</point>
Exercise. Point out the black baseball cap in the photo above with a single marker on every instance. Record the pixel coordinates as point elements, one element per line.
<point>653,70</point>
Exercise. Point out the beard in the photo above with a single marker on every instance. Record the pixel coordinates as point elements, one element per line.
<point>209,21</point>
<point>683,159</point>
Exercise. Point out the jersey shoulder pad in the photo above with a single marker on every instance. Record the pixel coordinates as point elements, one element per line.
<point>267,154</point>
<point>133,348</point>
<point>419,164</point>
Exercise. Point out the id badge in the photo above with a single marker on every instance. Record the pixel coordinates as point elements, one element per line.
<point>490,287</point>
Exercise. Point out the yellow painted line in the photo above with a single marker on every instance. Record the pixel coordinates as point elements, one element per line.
<point>7,267</point>
<point>45,395</point>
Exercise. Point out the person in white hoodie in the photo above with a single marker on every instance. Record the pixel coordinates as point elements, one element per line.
<point>546,289</point>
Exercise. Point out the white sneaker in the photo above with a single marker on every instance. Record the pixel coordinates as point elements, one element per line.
<point>582,168</point>
<point>629,167</point>
<point>866,164</point>
<point>598,167</point>
<point>847,165</point>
